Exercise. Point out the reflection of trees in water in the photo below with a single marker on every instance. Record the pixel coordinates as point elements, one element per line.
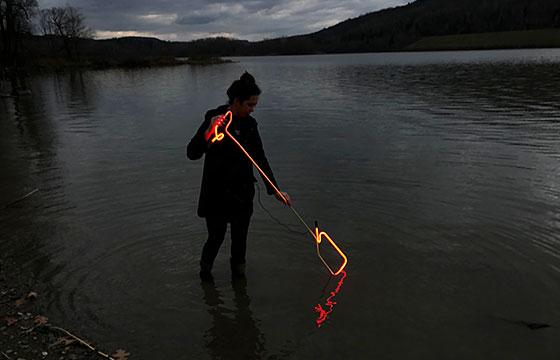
<point>35,126</point>
<point>77,91</point>
<point>28,161</point>
<point>14,83</point>
<point>234,333</point>
<point>34,232</point>
<point>34,109</point>
<point>27,138</point>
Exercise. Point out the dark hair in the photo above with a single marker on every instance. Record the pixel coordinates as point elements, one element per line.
<point>243,88</point>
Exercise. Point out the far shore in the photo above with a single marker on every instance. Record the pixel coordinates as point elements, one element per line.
<point>527,39</point>
<point>56,64</point>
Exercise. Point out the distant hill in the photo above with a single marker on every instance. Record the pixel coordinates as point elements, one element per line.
<point>396,28</point>
<point>390,29</point>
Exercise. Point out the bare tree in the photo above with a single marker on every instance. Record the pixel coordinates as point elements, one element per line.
<point>15,20</point>
<point>66,22</point>
<point>46,24</point>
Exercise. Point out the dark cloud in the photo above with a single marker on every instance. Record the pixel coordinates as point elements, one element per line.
<point>196,19</point>
<point>248,19</point>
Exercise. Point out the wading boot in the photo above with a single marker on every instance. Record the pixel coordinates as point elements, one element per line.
<point>206,272</point>
<point>237,269</point>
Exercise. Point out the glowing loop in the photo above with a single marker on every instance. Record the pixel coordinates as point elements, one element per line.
<point>318,236</point>
<point>219,136</point>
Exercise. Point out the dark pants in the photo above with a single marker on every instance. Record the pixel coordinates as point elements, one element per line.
<point>217,227</point>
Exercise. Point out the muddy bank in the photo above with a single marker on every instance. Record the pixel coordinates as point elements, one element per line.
<point>25,329</point>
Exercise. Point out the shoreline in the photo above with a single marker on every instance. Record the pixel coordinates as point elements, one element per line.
<point>436,44</point>
<point>403,51</point>
<point>60,64</point>
<point>25,329</point>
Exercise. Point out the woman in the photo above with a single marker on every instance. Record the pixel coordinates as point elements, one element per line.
<point>227,190</point>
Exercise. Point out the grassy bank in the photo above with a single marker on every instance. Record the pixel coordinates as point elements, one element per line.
<point>544,38</point>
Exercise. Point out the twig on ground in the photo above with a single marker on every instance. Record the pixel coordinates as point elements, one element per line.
<point>81,342</point>
<point>20,199</point>
<point>6,356</point>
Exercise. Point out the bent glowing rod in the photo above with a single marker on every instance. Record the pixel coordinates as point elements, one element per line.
<point>317,235</point>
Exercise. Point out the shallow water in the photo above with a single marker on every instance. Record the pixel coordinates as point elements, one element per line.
<point>436,172</point>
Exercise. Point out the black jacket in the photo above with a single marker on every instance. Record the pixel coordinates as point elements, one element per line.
<point>227,179</point>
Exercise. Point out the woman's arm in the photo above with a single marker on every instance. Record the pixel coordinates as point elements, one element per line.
<point>198,145</point>
<point>257,150</point>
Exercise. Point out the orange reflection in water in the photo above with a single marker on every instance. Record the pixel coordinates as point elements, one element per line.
<point>329,302</point>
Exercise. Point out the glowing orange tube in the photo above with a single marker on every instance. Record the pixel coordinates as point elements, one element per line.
<point>250,158</point>
<point>318,236</point>
<point>218,136</point>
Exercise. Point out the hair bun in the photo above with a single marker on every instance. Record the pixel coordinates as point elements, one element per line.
<point>247,78</point>
<point>243,88</point>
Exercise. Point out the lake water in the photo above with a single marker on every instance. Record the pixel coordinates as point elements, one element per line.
<point>437,173</point>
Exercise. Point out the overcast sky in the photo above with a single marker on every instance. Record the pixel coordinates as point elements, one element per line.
<point>195,19</point>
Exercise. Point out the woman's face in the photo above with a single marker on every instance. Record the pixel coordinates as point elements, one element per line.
<point>245,108</point>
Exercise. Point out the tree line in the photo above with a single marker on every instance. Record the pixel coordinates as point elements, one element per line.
<point>396,28</point>
<point>16,26</point>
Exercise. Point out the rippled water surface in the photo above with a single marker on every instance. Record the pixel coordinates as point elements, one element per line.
<point>438,173</point>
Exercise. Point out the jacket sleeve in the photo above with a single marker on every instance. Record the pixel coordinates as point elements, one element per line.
<point>198,145</point>
<point>257,151</point>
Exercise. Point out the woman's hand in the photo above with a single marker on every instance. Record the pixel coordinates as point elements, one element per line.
<point>285,199</point>
<point>215,121</point>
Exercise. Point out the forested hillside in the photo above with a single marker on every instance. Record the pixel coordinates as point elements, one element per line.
<point>394,29</point>
<point>386,30</point>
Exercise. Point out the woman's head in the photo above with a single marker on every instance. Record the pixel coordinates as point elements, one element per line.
<point>243,95</point>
